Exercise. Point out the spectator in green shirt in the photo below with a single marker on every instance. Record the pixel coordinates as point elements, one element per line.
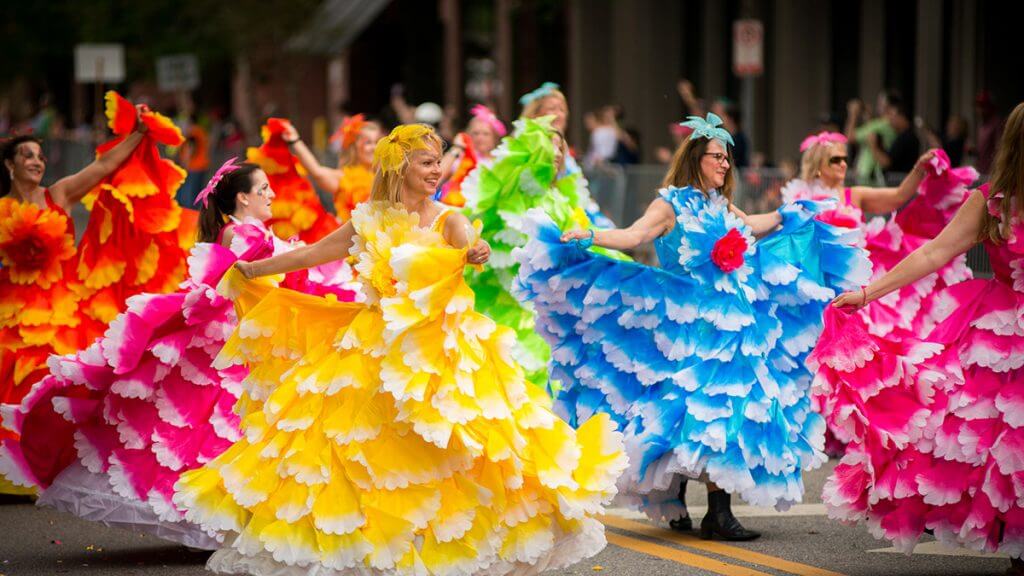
<point>867,171</point>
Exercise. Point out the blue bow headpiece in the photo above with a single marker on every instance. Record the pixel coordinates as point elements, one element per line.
<point>545,89</point>
<point>709,128</point>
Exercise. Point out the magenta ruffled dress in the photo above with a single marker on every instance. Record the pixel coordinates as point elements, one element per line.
<point>935,424</point>
<point>107,434</point>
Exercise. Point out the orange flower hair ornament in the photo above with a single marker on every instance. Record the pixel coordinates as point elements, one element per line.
<point>391,152</point>
<point>349,130</point>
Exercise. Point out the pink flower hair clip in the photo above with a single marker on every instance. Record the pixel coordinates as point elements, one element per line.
<point>822,138</point>
<point>484,113</point>
<point>225,169</point>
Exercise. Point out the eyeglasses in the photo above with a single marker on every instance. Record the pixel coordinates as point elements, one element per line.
<point>837,159</point>
<point>718,157</point>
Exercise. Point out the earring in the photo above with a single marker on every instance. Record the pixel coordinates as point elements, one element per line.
<point>245,204</point>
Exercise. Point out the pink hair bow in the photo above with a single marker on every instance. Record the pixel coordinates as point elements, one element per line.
<point>484,113</point>
<point>225,169</point>
<point>822,138</point>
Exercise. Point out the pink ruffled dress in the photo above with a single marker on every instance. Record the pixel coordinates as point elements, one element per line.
<point>107,434</point>
<point>936,425</point>
<point>914,310</point>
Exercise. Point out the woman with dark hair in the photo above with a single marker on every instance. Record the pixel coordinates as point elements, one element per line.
<point>106,435</point>
<point>935,420</point>
<point>24,167</point>
<point>699,361</point>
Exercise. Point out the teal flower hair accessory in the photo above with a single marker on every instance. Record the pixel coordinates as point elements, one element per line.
<point>709,128</point>
<point>545,89</point>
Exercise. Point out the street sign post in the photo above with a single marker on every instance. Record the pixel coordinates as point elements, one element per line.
<point>747,48</point>
<point>176,73</point>
<point>99,63</point>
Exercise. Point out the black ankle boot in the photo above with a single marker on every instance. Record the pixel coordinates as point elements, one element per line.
<point>683,523</point>
<point>720,522</point>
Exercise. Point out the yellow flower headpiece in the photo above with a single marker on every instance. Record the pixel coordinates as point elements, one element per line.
<point>391,152</point>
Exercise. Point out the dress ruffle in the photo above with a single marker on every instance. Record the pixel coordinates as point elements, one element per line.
<point>521,176</point>
<point>698,362</point>
<point>136,240</point>
<point>934,425</point>
<point>398,436</point>
<point>143,403</point>
<point>297,210</point>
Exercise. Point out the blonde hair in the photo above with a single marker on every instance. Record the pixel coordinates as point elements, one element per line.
<point>349,154</point>
<point>1007,177</point>
<point>813,159</point>
<point>387,182</point>
<point>532,108</point>
<point>685,168</point>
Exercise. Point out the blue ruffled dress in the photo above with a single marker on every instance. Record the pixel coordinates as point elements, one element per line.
<point>700,362</point>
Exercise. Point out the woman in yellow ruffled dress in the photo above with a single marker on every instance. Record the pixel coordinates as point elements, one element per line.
<point>351,181</point>
<point>396,436</point>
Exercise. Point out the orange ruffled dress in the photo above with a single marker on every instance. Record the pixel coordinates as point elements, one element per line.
<point>353,189</point>
<point>137,239</point>
<point>297,209</point>
<point>37,309</point>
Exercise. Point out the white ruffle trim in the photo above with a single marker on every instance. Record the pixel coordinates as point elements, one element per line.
<point>566,551</point>
<point>89,496</point>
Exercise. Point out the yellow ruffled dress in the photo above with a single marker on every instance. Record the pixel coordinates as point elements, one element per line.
<point>396,436</point>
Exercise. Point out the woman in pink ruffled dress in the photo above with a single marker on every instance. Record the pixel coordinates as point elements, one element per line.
<point>937,424</point>
<point>934,191</point>
<point>107,434</point>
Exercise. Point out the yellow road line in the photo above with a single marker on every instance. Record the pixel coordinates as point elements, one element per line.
<point>719,548</point>
<point>680,556</point>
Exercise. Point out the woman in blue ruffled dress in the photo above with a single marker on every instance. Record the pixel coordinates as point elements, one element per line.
<point>700,361</point>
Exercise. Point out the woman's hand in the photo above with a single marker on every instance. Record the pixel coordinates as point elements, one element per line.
<point>923,161</point>
<point>140,126</point>
<point>289,134</point>
<point>577,235</point>
<point>479,253</point>
<point>246,268</point>
<point>850,301</point>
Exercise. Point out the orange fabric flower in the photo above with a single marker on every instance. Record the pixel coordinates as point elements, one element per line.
<point>34,243</point>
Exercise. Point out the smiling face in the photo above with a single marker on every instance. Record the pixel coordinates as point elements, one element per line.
<point>554,105</point>
<point>715,164</point>
<point>366,142</point>
<point>484,138</point>
<point>423,172</point>
<point>28,164</point>
<point>256,202</point>
<point>833,165</point>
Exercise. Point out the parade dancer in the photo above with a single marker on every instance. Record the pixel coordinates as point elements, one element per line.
<point>349,183</point>
<point>472,148</point>
<point>935,421</point>
<point>548,100</point>
<point>107,434</point>
<point>697,361</point>
<point>397,436</point>
<point>41,295</point>
<point>525,176</point>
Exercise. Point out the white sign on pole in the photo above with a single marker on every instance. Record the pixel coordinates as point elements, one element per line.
<point>747,48</point>
<point>178,72</point>
<point>99,63</point>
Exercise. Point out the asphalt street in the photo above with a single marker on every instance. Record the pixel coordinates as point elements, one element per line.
<point>804,542</point>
